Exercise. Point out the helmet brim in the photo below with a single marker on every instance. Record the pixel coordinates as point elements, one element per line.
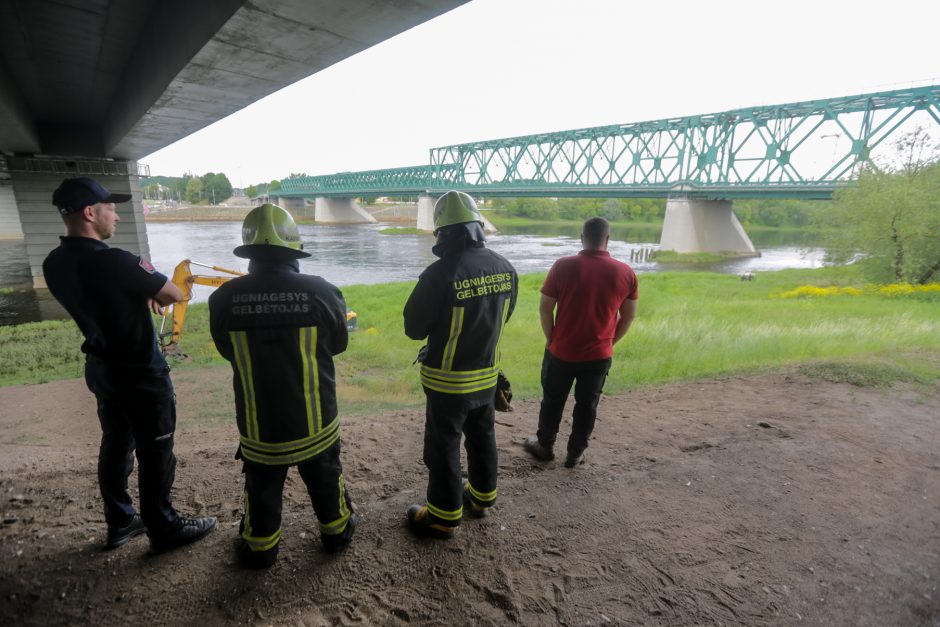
<point>247,251</point>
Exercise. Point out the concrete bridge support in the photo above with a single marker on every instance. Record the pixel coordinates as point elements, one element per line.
<point>703,226</point>
<point>41,223</point>
<point>426,215</point>
<point>340,210</point>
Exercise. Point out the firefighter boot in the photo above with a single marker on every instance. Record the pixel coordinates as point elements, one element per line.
<point>420,521</point>
<point>337,542</point>
<point>470,505</point>
<point>256,560</point>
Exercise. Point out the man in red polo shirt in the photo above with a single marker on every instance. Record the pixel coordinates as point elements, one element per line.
<point>595,296</point>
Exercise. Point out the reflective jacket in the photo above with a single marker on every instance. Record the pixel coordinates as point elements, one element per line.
<point>280,330</point>
<point>460,304</point>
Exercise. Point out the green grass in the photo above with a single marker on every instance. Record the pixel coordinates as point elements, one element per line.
<point>689,325</point>
<point>401,230</point>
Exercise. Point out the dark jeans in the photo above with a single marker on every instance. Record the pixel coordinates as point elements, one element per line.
<point>447,417</point>
<point>264,488</point>
<point>557,377</point>
<point>137,412</point>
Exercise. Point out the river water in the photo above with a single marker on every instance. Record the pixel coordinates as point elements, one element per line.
<point>359,254</point>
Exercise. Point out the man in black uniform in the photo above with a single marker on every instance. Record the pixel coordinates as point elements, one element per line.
<point>110,293</point>
<point>280,330</point>
<point>460,304</point>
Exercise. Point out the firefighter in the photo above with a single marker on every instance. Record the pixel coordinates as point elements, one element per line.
<point>461,304</point>
<point>280,329</point>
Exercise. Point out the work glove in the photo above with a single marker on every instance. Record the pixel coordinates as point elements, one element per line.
<point>503,393</point>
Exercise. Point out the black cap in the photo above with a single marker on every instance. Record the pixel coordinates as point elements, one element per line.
<point>76,194</point>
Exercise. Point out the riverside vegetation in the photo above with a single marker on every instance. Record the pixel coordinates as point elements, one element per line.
<point>689,325</point>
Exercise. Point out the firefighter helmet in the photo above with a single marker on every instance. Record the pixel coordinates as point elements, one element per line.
<point>455,208</point>
<point>266,226</point>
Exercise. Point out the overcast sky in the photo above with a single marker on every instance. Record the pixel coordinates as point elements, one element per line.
<point>498,68</point>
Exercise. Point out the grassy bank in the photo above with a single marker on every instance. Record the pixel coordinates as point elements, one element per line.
<point>689,325</point>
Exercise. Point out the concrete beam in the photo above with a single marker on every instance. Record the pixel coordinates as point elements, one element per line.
<point>18,131</point>
<point>703,226</point>
<point>341,211</point>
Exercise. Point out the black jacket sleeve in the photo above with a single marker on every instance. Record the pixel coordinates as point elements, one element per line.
<point>423,306</point>
<point>216,327</point>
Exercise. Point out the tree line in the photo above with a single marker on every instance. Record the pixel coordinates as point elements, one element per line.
<point>211,187</point>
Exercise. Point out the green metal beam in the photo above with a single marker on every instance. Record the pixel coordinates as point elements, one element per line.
<point>803,149</point>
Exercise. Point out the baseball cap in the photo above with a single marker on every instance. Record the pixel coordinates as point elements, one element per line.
<point>76,194</point>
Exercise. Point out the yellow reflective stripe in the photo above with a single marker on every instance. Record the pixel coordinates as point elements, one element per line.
<point>502,325</point>
<point>281,447</point>
<point>457,514</point>
<point>311,375</point>
<point>458,376</point>
<point>338,526</point>
<point>482,496</point>
<point>458,388</point>
<point>290,458</point>
<point>239,341</point>
<point>257,543</point>
<point>450,349</point>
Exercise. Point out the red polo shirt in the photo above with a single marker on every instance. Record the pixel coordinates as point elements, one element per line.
<point>590,288</point>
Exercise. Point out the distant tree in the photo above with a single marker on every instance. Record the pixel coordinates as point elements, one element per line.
<point>891,217</point>
<point>297,175</point>
<point>152,191</point>
<point>274,186</point>
<point>216,187</point>
<point>194,190</point>
<point>251,191</point>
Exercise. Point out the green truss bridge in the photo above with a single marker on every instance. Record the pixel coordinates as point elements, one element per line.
<point>700,162</point>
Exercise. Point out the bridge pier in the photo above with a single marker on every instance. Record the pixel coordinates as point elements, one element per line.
<point>426,215</point>
<point>340,210</point>
<point>34,180</point>
<point>703,226</point>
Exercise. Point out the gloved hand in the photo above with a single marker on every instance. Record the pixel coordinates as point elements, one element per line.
<point>503,393</point>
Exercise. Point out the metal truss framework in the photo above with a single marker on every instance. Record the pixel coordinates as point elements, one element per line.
<point>779,150</point>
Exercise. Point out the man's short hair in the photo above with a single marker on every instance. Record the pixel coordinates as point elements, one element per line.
<point>595,231</point>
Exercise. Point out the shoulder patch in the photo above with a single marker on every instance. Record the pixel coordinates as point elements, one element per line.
<point>143,263</point>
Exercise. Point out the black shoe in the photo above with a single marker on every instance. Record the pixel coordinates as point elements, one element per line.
<point>536,450</point>
<point>419,520</point>
<point>184,531</point>
<point>119,536</point>
<point>339,541</point>
<point>256,560</point>
<point>470,506</point>
<point>574,460</point>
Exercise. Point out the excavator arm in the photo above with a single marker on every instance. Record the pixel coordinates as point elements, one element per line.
<point>174,316</point>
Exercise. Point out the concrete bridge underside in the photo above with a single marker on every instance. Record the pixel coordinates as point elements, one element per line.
<point>88,88</point>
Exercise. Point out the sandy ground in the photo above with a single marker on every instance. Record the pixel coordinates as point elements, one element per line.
<point>764,500</point>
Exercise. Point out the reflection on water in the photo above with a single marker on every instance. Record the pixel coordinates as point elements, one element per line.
<point>359,254</point>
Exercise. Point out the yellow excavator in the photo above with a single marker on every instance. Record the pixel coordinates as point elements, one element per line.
<point>174,316</point>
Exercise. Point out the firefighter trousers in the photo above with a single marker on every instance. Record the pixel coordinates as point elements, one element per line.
<point>264,487</point>
<point>447,417</point>
<point>557,376</point>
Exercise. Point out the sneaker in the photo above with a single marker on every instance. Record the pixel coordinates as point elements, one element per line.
<point>183,532</point>
<point>574,460</point>
<point>119,536</point>
<point>420,522</point>
<point>536,450</point>
<point>256,560</point>
<point>470,506</point>
<point>339,541</point>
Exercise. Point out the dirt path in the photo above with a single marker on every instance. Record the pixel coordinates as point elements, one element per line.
<point>765,500</point>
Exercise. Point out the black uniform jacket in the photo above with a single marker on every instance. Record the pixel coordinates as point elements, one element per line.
<point>460,304</point>
<point>280,330</point>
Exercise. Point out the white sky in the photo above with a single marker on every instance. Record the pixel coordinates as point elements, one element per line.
<point>498,68</point>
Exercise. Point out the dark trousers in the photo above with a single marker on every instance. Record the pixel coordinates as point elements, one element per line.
<point>137,412</point>
<point>264,487</point>
<point>447,417</point>
<point>557,376</point>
